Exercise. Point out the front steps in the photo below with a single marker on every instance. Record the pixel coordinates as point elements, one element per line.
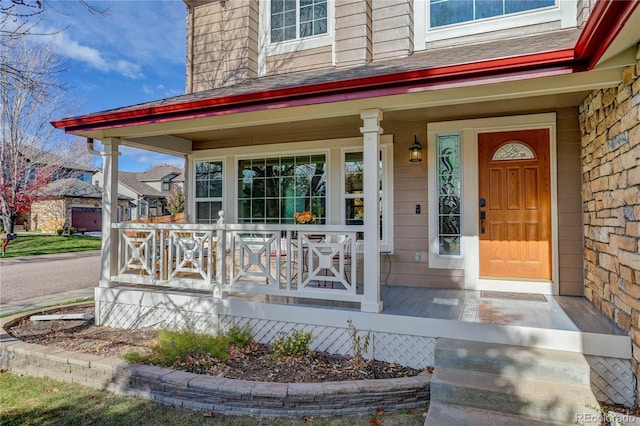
<point>482,383</point>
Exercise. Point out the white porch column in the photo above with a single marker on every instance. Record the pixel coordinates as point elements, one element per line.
<point>109,263</point>
<point>371,132</point>
<point>189,217</point>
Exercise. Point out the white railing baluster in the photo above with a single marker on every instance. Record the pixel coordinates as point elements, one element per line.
<point>307,261</point>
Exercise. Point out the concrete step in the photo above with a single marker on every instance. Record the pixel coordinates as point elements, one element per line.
<point>441,414</point>
<point>538,400</point>
<point>513,361</point>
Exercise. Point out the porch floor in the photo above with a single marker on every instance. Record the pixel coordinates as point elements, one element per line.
<point>571,313</point>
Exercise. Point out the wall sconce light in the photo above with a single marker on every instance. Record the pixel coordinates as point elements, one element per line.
<point>415,151</point>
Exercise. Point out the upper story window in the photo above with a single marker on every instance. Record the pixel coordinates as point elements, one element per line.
<point>294,19</point>
<point>166,185</point>
<point>447,12</point>
<point>442,20</point>
<point>287,27</point>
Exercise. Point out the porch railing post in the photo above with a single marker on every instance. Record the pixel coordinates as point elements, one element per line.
<point>221,257</point>
<point>371,132</point>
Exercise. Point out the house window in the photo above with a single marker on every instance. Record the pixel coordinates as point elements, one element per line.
<point>456,20</point>
<point>353,199</point>
<point>271,190</point>
<point>143,204</point>
<point>449,194</point>
<point>295,19</point>
<point>448,12</point>
<point>166,186</point>
<point>208,197</point>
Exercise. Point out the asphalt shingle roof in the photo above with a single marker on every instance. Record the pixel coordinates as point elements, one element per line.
<point>130,180</point>
<point>422,60</point>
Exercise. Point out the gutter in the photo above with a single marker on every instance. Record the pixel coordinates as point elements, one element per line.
<point>605,22</point>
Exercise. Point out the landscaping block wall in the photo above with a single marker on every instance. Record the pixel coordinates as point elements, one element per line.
<point>610,128</point>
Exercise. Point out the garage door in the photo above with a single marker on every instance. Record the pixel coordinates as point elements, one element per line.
<point>89,218</point>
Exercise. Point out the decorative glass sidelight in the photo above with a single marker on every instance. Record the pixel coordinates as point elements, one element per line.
<point>449,194</point>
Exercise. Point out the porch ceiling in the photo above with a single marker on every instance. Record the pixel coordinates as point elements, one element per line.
<point>349,126</point>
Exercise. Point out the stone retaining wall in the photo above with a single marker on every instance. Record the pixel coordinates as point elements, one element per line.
<point>214,394</point>
<point>610,127</point>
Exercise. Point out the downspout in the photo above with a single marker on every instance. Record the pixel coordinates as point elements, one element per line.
<point>91,149</point>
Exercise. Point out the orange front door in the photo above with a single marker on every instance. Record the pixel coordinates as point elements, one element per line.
<point>514,204</point>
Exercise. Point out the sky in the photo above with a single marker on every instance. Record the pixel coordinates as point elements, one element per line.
<point>132,53</point>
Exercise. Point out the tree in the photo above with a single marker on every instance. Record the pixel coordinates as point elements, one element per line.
<point>19,20</point>
<point>30,154</point>
<point>175,201</point>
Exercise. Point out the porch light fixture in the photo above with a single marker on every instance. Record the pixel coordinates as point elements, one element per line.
<point>415,151</point>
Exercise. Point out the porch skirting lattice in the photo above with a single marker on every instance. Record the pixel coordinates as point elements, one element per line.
<point>611,377</point>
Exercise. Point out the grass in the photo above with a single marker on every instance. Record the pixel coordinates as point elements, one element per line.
<point>34,401</point>
<point>29,244</point>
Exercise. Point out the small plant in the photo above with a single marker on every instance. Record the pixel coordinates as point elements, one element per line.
<point>82,230</point>
<point>59,231</point>
<point>71,230</point>
<point>173,345</point>
<point>238,337</point>
<point>295,344</point>
<point>359,345</point>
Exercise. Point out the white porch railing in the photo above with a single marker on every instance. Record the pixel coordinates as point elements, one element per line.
<point>307,261</point>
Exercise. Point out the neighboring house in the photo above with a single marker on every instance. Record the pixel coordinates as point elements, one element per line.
<point>149,190</point>
<point>64,169</point>
<point>440,145</point>
<point>70,202</point>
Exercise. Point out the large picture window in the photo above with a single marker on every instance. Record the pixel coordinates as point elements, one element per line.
<point>271,190</point>
<point>208,197</point>
<point>448,12</point>
<point>295,19</point>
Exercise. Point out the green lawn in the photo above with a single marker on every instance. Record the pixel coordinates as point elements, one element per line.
<point>33,401</point>
<point>30,244</point>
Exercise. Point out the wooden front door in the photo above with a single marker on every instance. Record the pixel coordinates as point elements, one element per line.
<point>515,205</point>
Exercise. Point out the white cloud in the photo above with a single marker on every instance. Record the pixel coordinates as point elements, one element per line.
<point>64,46</point>
<point>134,159</point>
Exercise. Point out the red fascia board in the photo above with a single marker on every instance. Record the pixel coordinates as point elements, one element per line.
<point>605,22</point>
<point>449,74</point>
<point>341,97</point>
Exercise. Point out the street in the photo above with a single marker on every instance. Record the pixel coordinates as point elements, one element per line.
<point>29,277</point>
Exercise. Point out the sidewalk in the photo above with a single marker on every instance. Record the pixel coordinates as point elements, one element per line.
<point>45,301</point>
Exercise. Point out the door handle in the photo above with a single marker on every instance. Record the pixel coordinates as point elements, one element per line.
<point>483,216</point>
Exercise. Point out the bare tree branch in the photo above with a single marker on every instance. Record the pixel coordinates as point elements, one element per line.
<point>31,154</point>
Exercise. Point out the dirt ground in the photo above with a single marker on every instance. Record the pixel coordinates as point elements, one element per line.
<point>251,363</point>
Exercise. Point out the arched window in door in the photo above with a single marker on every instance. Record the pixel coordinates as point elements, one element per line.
<point>513,150</point>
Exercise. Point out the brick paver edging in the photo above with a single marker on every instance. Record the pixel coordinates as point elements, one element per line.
<point>212,394</point>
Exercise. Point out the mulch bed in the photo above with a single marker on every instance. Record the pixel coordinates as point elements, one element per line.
<point>251,363</point>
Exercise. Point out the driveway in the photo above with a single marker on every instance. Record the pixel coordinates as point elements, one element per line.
<point>33,276</point>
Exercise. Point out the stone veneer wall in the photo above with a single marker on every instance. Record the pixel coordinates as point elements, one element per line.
<point>610,127</point>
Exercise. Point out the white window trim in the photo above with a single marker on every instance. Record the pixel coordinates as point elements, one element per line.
<point>469,254</point>
<point>266,48</point>
<point>565,12</point>
<point>386,146</point>
<point>192,187</point>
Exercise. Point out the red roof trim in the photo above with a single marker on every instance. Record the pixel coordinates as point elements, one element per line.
<point>333,97</point>
<point>605,22</point>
